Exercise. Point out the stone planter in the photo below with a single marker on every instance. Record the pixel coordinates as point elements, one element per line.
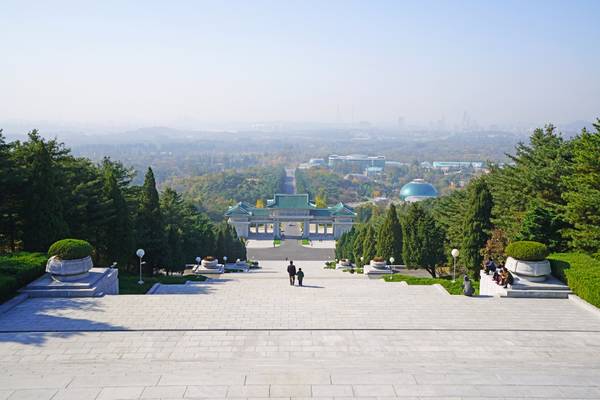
<point>210,264</point>
<point>534,271</point>
<point>69,270</point>
<point>378,264</point>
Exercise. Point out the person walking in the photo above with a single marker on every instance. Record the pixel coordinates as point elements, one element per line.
<point>291,269</point>
<point>300,276</point>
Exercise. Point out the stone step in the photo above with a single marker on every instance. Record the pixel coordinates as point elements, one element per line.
<point>541,294</point>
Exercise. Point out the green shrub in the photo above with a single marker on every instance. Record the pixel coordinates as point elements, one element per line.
<point>17,270</point>
<point>70,249</point>
<point>527,251</point>
<point>581,272</point>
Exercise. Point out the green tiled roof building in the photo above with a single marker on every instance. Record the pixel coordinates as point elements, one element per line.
<point>326,222</point>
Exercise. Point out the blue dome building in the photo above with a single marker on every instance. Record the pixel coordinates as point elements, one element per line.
<point>417,190</point>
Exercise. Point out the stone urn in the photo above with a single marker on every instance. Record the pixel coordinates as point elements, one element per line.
<point>240,263</point>
<point>534,271</point>
<point>69,270</point>
<point>378,263</point>
<point>210,263</point>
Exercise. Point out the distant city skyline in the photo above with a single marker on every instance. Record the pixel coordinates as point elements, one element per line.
<point>202,65</point>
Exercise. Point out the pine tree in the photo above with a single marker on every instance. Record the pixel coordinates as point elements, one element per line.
<point>389,237</point>
<point>536,173</point>
<point>369,244</point>
<point>357,248</point>
<point>583,192</point>
<point>150,224</point>
<point>117,240</point>
<point>423,240</point>
<point>544,224</point>
<point>477,226</point>
<point>43,218</point>
<point>172,209</point>
<point>11,203</point>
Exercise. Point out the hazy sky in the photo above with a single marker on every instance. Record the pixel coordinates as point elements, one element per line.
<point>187,63</point>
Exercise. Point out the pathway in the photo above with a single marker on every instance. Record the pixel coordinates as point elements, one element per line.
<point>343,336</point>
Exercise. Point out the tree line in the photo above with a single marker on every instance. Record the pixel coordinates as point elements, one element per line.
<point>48,194</point>
<point>549,192</point>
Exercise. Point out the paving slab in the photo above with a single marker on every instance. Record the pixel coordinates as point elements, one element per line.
<point>253,336</point>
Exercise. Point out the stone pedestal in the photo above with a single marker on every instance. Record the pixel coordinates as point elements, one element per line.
<point>69,270</point>
<point>376,268</point>
<point>550,288</point>
<point>96,282</point>
<point>209,267</point>
<point>534,271</point>
<point>344,264</point>
<point>238,266</point>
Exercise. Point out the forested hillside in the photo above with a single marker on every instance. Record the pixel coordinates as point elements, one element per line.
<point>48,194</point>
<point>214,193</point>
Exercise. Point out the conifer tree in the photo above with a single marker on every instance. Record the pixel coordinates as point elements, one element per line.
<point>43,219</point>
<point>357,248</point>
<point>423,240</point>
<point>369,244</point>
<point>477,226</point>
<point>389,237</point>
<point>150,224</point>
<point>583,192</point>
<point>10,196</point>
<point>173,216</point>
<point>117,240</point>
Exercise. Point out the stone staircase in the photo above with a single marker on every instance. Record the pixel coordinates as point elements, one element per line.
<point>98,282</point>
<point>551,288</point>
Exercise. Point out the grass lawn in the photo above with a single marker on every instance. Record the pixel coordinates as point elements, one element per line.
<point>446,282</point>
<point>128,283</point>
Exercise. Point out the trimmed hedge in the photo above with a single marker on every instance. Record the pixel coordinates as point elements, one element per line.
<point>17,270</point>
<point>527,251</point>
<point>70,249</point>
<point>581,272</point>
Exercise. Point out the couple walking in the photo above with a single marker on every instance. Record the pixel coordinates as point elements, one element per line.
<point>291,269</point>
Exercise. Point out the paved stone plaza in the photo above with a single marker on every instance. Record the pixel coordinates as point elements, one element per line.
<point>254,336</point>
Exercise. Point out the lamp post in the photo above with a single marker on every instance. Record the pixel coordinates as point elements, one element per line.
<point>455,254</point>
<point>140,253</point>
<point>392,259</point>
<point>225,260</point>
<point>198,260</point>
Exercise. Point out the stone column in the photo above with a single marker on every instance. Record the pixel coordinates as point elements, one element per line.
<point>325,228</point>
<point>266,226</point>
<point>306,229</point>
<point>276,233</point>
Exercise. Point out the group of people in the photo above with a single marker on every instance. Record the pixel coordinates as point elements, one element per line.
<point>291,269</point>
<point>500,274</point>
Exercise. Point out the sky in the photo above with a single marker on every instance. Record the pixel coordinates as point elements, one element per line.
<point>195,63</point>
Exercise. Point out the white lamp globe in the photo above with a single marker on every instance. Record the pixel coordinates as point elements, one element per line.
<point>392,259</point>
<point>455,253</point>
<point>198,259</point>
<point>140,253</point>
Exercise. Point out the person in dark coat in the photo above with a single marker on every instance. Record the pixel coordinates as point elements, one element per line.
<point>292,272</point>
<point>468,287</point>
<point>300,276</point>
